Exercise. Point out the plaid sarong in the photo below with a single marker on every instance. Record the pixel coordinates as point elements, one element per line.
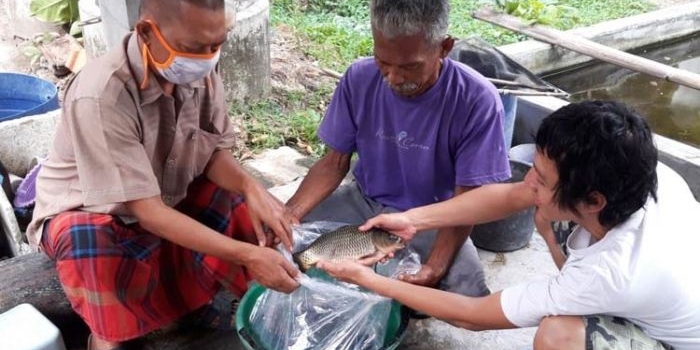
<point>125,282</point>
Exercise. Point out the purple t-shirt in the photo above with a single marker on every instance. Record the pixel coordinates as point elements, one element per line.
<point>413,152</point>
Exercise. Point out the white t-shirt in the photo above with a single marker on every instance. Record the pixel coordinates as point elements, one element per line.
<point>646,270</point>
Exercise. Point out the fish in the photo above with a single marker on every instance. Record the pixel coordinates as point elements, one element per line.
<point>348,242</point>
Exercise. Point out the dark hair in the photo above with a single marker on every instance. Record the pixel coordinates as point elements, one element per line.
<point>605,147</point>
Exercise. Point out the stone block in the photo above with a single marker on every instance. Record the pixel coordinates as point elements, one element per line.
<point>25,138</point>
<point>279,166</point>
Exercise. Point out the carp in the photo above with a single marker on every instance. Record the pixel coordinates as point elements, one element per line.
<point>347,242</point>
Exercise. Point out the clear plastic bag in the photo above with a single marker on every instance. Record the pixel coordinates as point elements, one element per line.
<point>324,313</point>
<point>405,261</point>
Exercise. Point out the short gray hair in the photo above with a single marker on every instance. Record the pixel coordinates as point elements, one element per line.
<point>395,18</point>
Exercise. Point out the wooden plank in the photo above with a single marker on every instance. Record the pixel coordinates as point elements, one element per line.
<point>590,48</point>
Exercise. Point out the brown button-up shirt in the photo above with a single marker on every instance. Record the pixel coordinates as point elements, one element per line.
<point>116,142</point>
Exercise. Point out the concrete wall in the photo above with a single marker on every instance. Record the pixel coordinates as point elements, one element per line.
<point>118,17</point>
<point>93,34</point>
<point>623,34</point>
<point>245,58</point>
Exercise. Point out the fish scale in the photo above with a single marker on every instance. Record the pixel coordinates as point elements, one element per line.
<point>347,242</point>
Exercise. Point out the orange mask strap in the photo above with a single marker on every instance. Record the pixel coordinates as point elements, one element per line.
<point>147,57</point>
<point>172,52</point>
<point>144,60</point>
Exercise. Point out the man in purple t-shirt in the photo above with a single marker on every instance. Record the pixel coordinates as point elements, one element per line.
<point>425,128</point>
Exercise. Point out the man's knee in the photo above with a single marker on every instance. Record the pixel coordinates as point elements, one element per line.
<point>561,332</point>
<point>76,234</point>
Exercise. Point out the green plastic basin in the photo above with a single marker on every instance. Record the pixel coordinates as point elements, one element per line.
<point>396,328</point>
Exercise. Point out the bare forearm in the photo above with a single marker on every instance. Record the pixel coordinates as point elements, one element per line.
<point>182,230</point>
<point>447,243</point>
<point>470,313</point>
<point>224,171</point>
<point>484,204</point>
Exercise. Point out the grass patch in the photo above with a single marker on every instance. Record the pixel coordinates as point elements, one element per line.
<point>336,32</point>
<point>287,118</point>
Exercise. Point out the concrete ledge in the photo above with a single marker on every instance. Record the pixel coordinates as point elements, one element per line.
<point>25,138</point>
<point>623,34</point>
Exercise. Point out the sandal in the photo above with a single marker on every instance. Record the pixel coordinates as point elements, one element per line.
<point>89,344</point>
<point>219,313</point>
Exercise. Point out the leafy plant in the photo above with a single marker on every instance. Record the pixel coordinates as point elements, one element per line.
<point>32,48</point>
<point>547,12</point>
<point>55,11</point>
<point>287,118</point>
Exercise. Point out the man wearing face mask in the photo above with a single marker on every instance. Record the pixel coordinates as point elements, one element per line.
<point>425,128</point>
<point>140,203</point>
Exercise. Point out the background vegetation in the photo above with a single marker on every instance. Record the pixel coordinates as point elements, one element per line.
<point>333,33</point>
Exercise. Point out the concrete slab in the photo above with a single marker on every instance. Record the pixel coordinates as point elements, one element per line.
<point>279,166</point>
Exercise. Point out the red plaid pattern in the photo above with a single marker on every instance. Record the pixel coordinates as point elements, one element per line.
<point>126,282</point>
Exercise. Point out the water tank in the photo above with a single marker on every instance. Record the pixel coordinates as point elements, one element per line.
<point>24,95</point>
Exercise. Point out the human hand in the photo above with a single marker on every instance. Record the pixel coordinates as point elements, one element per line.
<point>270,269</point>
<point>544,227</point>
<point>426,276</point>
<point>346,270</point>
<point>397,223</point>
<point>270,217</point>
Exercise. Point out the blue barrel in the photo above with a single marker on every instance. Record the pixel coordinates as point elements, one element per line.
<point>23,95</point>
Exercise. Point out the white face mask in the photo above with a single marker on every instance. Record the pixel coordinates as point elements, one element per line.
<point>184,70</point>
<point>179,67</point>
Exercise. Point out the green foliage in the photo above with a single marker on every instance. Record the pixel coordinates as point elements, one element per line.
<point>547,12</point>
<point>55,11</point>
<point>333,32</point>
<point>287,118</point>
<point>596,11</point>
<point>336,32</point>
<point>32,49</point>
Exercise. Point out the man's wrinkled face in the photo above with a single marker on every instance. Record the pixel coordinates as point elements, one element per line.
<point>409,64</point>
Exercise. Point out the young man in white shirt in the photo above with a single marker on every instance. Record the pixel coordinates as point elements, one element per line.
<point>629,279</point>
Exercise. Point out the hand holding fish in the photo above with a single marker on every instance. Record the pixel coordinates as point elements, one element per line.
<point>399,224</point>
<point>349,242</point>
<point>346,270</point>
<point>268,213</point>
<point>269,268</point>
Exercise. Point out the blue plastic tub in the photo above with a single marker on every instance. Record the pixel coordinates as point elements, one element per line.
<point>24,95</point>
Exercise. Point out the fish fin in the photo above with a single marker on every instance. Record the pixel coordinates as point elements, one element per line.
<point>373,258</point>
